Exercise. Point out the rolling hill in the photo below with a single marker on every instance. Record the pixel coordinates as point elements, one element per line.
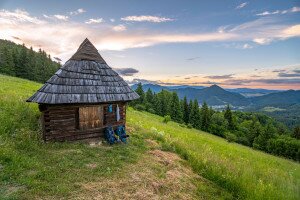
<point>213,96</point>
<point>217,96</point>
<point>279,99</point>
<point>209,167</point>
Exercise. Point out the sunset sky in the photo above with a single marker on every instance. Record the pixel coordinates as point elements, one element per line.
<point>234,44</point>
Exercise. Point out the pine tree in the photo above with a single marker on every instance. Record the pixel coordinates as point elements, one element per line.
<point>190,114</point>
<point>255,130</point>
<point>185,108</point>
<point>229,118</point>
<point>163,98</point>
<point>22,69</point>
<point>175,110</point>
<point>195,117</point>
<point>7,63</point>
<point>149,96</point>
<point>139,90</point>
<point>296,132</point>
<point>205,117</point>
<point>261,141</point>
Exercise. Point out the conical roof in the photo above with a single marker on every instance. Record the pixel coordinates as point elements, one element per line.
<point>85,78</point>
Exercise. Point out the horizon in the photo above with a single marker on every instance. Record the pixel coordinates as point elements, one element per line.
<point>210,86</point>
<point>237,44</point>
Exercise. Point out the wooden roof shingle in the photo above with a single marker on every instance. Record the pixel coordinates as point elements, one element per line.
<point>85,78</point>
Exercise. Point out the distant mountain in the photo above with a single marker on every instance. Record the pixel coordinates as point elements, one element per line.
<point>277,99</point>
<point>282,105</point>
<point>154,87</point>
<point>217,96</point>
<point>213,96</point>
<point>249,92</point>
<point>185,86</point>
<point>157,88</point>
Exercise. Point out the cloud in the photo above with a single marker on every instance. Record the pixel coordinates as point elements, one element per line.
<point>18,16</point>
<point>112,20</point>
<point>126,71</point>
<point>77,12</point>
<point>269,81</point>
<point>283,74</point>
<point>57,17</point>
<point>94,21</point>
<point>61,38</point>
<point>296,70</point>
<point>193,58</point>
<point>143,81</point>
<point>262,41</point>
<point>291,10</point>
<point>57,59</point>
<point>16,38</point>
<point>247,46</point>
<point>62,17</point>
<point>146,18</point>
<point>279,70</point>
<point>119,28</point>
<point>242,5</point>
<point>227,76</point>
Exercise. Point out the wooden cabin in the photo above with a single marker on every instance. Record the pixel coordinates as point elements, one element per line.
<point>82,98</point>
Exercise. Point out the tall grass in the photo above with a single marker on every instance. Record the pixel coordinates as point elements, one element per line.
<point>246,173</point>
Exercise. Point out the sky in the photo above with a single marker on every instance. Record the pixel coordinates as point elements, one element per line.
<point>232,43</point>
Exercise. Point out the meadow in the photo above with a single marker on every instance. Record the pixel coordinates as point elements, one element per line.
<point>32,169</point>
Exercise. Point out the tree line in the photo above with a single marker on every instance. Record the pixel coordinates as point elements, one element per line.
<point>17,60</point>
<point>248,128</point>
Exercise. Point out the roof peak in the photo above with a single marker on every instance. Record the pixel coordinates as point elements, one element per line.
<point>87,51</point>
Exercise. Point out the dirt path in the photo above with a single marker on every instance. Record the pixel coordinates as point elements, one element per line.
<point>157,175</point>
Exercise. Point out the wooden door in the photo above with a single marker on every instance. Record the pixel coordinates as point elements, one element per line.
<point>90,117</point>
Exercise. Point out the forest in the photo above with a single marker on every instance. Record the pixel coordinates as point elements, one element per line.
<point>247,128</point>
<point>18,60</point>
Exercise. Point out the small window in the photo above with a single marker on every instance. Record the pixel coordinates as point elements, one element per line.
<point>90,117</point>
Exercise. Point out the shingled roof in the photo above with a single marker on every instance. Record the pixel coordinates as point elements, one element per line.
<point>85,78</point>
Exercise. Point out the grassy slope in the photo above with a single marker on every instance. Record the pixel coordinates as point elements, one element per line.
<point>241,170</point>
<point>29,168</point>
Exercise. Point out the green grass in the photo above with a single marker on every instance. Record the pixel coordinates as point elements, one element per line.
<point>246,173</point>
<point>32,169</point>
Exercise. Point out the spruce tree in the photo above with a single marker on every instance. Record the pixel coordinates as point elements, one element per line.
<point>229,118</point>
<point>190,114</point>
<point>261,141</point>
<point>175,110</point>
<point>296,132</point>
<point>196,121</point>
<point>139,90</point>
<point>149,96</point>
<point>7,63</point>
<point>185,108</point>
<point>205,117</point>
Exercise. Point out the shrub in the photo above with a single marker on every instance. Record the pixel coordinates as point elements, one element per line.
<point>139,107</point>
<point>167,118</point>
<point>189,125</point>
<point>230,137</point>
<point>151,110</point>
<point>182,125</point>
<point>285,146</point>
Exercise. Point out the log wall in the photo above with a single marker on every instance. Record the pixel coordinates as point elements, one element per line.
<point>76,122</point>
